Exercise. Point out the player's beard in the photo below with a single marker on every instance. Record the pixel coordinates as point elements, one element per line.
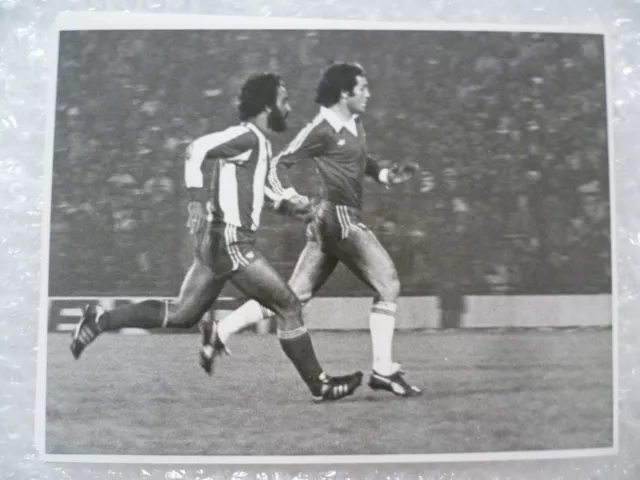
<point>277,121</point>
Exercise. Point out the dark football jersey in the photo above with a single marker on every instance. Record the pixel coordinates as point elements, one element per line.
<point>340,151</point>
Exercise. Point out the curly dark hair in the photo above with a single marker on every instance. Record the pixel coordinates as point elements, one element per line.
<point>258,92</point>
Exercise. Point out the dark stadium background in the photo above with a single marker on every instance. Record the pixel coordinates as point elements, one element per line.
<point>510,127</point>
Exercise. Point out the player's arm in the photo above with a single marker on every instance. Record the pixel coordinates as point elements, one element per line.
<point>393,175</point>
<point>376,171</point>
<point>296,206</point>
<point>232,145</point>
<point>309,143</point>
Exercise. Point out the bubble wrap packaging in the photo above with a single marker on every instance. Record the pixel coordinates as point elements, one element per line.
<point>26,67</point>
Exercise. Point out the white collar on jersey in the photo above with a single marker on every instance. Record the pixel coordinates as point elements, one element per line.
<point>339,123</point>
<point>254,129</point>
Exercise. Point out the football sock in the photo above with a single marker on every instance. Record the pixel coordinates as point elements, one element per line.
<point>148,314</point>
<point>298,347</point>
<point>206,325</point>
<point>382,323</point>
<point>248,314</point>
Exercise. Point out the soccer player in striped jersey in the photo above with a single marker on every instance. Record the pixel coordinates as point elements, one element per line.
<point>335,139</point>
<point>225,221</point>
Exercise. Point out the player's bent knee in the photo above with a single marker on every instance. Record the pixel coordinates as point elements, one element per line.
<point>290,313</point>
<point>294,308</point>
<point>304,295</point>
<point>301,287</point>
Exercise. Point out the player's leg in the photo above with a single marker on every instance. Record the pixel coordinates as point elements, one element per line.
<point>365,256</point>
<point>189,284</point>
<point>260,281</point>
<point>204,288</point>
<point>198,293</point>
<point>206,327</point>
<point>312,270</point>
<point>189,249</point>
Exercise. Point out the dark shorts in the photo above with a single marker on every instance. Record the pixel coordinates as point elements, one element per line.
<point>335,223</point>
<point>337,234</point>
<point>226,248</point>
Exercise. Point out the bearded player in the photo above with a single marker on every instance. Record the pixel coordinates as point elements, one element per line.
<point>335,139</point>
<point>225,221</point>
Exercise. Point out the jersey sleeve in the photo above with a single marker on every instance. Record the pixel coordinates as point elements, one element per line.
<point>234,144</point>
<point>373,168</point>
<point>376,171</point>
<point>308,144</point>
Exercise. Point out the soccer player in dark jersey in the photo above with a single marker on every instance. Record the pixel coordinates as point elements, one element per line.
<point>225,220</point>
<point>335,139</point>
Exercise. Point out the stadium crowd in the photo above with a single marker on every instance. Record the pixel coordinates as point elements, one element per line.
<point>510,131</point>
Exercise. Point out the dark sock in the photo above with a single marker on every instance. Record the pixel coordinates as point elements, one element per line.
<point>206,326</point>
<point>148,314</point>
<point>298,347</point>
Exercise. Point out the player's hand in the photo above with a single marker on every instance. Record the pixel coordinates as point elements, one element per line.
<point>310,212</point>
<point>400,173</point>
<point>294,206</point>
<point>299,204</point>
<point>197,217</point>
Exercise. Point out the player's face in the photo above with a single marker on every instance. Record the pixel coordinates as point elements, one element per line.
<point>277,119</point>
<point>357,101</point>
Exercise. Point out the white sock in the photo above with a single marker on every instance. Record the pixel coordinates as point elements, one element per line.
<point>248,314</point>
<point>382,323</point>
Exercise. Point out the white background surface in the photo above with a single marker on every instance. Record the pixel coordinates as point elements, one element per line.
<point>24,72</point>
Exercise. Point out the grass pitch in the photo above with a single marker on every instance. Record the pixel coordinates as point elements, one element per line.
<point>483,392</point>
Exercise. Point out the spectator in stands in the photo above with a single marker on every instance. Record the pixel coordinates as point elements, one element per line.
<point>506,139</point>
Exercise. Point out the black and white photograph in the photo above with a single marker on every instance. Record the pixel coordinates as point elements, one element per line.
<point>385,244</point>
